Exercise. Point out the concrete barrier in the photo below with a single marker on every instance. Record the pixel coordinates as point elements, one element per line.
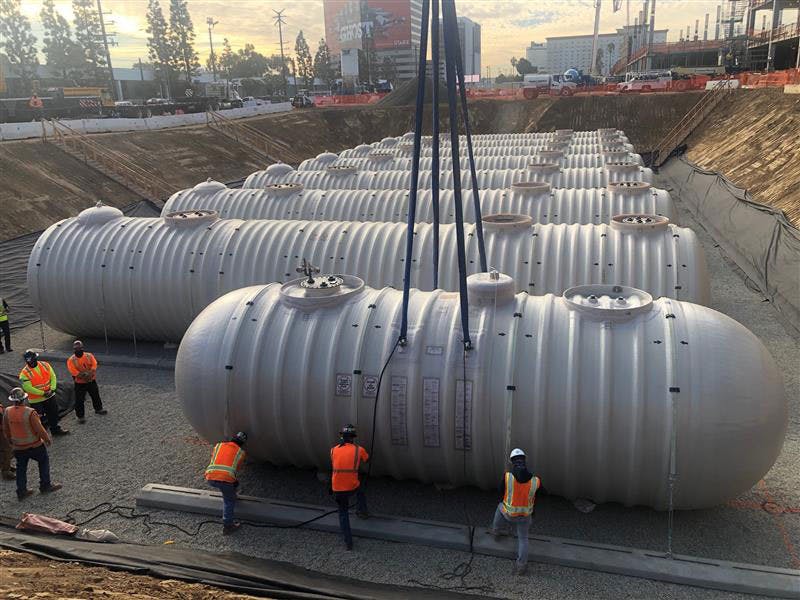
<point>793,88</point>
<point>33,129</point>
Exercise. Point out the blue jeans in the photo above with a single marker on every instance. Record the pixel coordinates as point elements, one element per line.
<point>343,500</point>
<point>38,454</point>
<point>502,522</point>
<point>228,499</point>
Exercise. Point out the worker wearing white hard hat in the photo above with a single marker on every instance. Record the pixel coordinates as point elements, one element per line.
<point>516,508</point>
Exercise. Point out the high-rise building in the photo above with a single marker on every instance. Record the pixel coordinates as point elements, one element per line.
<point>536,54</point>
<point>469,33</point>
<point>575,51</point>
<point>384,32</point>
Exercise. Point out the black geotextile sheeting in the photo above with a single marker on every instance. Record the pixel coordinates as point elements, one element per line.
<point>65,396</point>
<point>758,238</point>
<point>237,572</point>
<point>14,268</point>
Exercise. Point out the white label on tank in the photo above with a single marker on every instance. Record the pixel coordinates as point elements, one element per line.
<point>369,386</point>
<point>463,415</point>
<point>344,384</point>
<point>398,411</point>
<point>430,401</point>
<point>434,350</point>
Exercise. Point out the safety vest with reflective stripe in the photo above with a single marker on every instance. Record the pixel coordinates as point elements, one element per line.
<point>76,365</point>
<point>20,427</point>
<point>38,380</point>
<point>345,460</point>
<point>519,497</point>
<point>225,461</point>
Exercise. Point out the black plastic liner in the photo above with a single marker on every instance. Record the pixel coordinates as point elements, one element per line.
<point>232,571</point>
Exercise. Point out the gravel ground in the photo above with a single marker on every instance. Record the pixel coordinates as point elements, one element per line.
<point>145,438</point>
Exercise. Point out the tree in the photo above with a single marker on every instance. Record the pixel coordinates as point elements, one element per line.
<point>159,45</point>
<point>305,64</point>
<point>524,67</point>
<point>322,64</point>
<point>227,59</point>
<point>249,63</point>
<point>19,44</point>
<point>182,39</point>
<point>62,53</point>
<point>387,70</point>
<point>513,62</point>
<point>89,37</point>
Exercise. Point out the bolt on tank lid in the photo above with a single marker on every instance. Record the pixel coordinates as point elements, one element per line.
<point>627,187</point>
<point>285,189</point>
<point>318,291</point>
<point>532,188</point>
<point>209,186</point>
<point>608,302</point>
<point>488,289</point>
<point>342,169</point>
<point>278,169</point>
<point>544,156</point>
<point>506,222</point>
<point>191,218</point>
<point>99,214</point>
<point>327,157</point>
<point>632,223</point>
<point>380,155</point>
<point>544,167</point>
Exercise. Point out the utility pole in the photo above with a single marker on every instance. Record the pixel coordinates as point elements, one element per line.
<point>278,18</point>
<point>211,22</point>
<point>108,52</point>
<point>650,35</point>
<point>141,70</point>
<point>593,65</point>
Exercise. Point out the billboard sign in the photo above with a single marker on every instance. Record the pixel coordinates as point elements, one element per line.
<point>380,24</point>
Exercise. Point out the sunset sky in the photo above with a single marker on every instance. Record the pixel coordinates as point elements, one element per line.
<point>507,27</point>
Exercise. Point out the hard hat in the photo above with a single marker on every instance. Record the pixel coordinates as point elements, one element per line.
<point>17,396</point>
<point>240,438</point>
<point>516,452</point>
<point>30,354</point>
<point>77,344</point>
<point>348,431</point>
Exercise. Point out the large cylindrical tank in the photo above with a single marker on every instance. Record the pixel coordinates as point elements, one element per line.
<point>406,150</point>
<point>607,391</point>
<point>535,199</point>
<point>104,274</point>
<point>387,160</point>
<point>346,178</point>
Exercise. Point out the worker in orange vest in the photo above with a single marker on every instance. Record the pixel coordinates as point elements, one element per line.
<point>83,367</point>
<point>23,428</point>
<point>519,494</point>
<point>38,379</point>
<point>346,458</point>
<point>226,458</point>
<point>7,472</point>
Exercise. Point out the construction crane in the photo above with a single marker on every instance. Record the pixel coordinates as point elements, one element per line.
<point>597,6</point>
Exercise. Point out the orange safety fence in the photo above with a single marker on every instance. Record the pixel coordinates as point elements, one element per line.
<point>348,99</point>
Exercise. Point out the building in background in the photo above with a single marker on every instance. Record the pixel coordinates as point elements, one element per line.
<point>379,31</point>
<point>469,33</point>
<point>575,51</point>
<point>536,54</point>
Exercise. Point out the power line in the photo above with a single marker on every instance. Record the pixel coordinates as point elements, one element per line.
<point>278,18</point>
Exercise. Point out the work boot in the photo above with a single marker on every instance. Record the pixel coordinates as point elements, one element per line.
<point>60,432</point>
<point>54,487</point>
<point>9,475</point>
<point>24,495</point>
<point>229,529</point>
<point>102,411</point>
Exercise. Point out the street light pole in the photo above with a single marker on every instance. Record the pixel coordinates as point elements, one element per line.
<point>211,22</point>
<point>278,18</point>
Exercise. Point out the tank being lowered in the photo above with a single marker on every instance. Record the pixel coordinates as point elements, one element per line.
<point>610,392</point>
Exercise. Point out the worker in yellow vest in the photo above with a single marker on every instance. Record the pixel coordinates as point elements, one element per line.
<point>39,381</point>
<point>519,494</point>
<point>5,327</point>
<point>221,473</point>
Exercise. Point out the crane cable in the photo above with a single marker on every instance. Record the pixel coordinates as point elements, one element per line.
<point>435,139</point>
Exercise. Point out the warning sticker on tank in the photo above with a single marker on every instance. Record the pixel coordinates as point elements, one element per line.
<point>344,384</point>
<point>399,411</point>
<point>369,386</point>
<point>463,415</point>
<point>430,408</point>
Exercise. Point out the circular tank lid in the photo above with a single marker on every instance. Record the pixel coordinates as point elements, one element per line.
<point>320,290</point>
<point>488,289</point>
<point>545,154</point>
<point>627,187</point>
<point>639,222</point>
<point>327,157</point>
<point>99,214</point>
<point>611,145</point>
<point>209,186</point>
<point>506,222</point>
<point>562,132</point>
<point>389,141</point>
<point>618,166</point>
<point>544,167</point>
<point>279,169</point>
<point>285,189</point>
<point>531,188</point>
<point>614,152</point>
<point>341,169</point>
<point>381,155</point>
<point>608,302</point>
<point>191,218</point>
